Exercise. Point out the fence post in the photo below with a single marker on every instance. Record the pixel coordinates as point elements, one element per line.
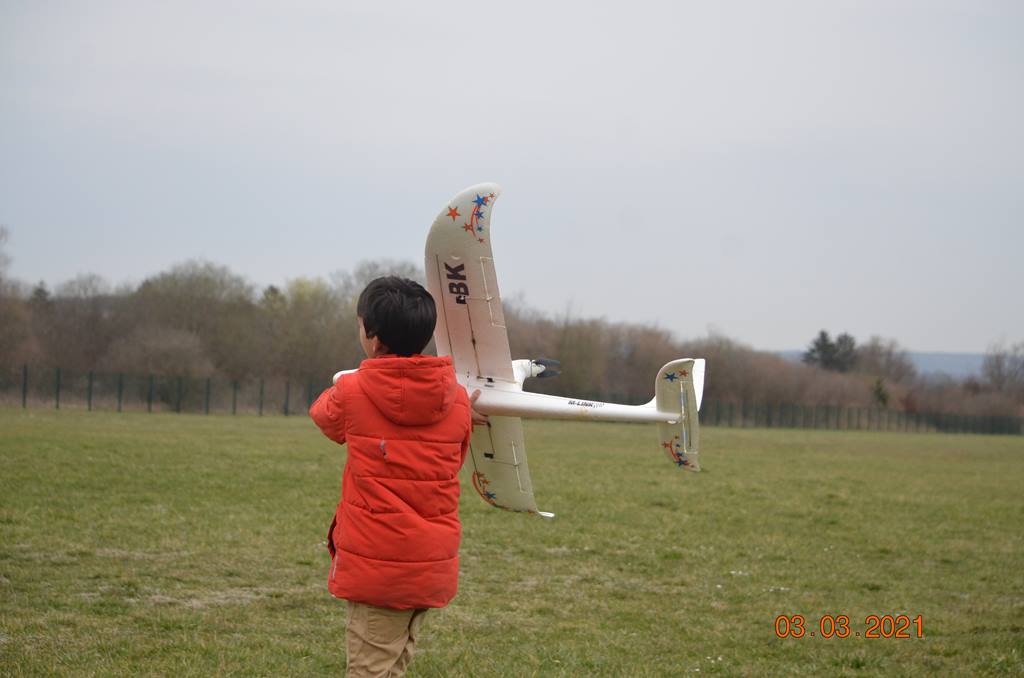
<point>309,395</point>
<point>234,396</point>
<point>261,398</point>
<point>206,399</point>
<point>24,386</point>
<point>177,401</point>
<point>88,393</point>
<point>57,393</point>
<point>287,395</point>
<point>149,395</point>
<point>120,391</point>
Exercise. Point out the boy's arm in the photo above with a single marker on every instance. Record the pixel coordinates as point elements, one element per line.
<point>475,418</point>
<point>329,414</point>
<point>465,445</point>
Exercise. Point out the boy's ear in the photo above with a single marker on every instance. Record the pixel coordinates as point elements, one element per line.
<point>378,346</point>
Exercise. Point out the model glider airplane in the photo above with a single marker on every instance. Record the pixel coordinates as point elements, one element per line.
<point>471,329</point>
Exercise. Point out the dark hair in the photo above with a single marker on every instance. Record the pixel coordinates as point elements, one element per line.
<point>399,312</point>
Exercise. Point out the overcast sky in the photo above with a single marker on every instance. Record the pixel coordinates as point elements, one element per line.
<point>762,170</point>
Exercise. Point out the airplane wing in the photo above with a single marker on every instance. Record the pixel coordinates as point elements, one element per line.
<point>461,278</point>
<point>471,329</point>
<point>500,474</point>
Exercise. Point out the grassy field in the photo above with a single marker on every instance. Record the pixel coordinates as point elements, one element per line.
<point>188,545</point>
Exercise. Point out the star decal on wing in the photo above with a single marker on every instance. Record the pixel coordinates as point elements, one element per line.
<point>480,483</point>
<point>675,450</point>
<point>476,224</point>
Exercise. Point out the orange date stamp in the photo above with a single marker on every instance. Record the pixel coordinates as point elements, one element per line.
<point>838,626</point>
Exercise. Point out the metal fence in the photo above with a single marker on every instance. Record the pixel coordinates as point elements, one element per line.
<point>61,389</point>
<point>35,387</point>
<point>790,415</point>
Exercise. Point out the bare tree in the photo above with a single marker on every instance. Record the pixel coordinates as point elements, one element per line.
<point>14,318</point>
<point>885,358</point>
<point>161,351</point>
<point>348,285</point>
<point>211,302</point>
<point>1003,368</point>
<point>5,259</point>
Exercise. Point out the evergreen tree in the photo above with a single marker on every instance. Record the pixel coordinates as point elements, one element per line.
<point>839,355</point>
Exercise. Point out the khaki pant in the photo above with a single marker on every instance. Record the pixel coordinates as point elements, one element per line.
<point>380,641</point>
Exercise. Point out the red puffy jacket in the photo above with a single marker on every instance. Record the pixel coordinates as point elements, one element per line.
<point>394,541</point>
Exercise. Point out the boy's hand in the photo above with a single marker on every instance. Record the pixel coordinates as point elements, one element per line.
<point>477,417</point>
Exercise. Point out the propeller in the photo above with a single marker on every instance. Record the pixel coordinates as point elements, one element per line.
<point>550,368</point>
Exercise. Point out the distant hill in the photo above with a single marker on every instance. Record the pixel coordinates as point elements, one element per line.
<point>956,365</point>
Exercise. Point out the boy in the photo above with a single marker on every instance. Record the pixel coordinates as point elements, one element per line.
<point>394,540</point>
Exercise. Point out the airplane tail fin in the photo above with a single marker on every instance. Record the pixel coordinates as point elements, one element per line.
<point>678,389</point>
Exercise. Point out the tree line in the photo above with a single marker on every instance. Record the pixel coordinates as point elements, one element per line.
<point>199,319</point>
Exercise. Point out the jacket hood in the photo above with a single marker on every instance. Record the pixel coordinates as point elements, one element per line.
<point>412,391</point>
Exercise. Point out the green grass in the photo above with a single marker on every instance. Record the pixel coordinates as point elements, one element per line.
<point>188,545</point>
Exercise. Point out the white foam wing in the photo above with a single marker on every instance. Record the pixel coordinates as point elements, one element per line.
<point>500,474</point>
<point>461,278</point>
<point>471,329</point>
